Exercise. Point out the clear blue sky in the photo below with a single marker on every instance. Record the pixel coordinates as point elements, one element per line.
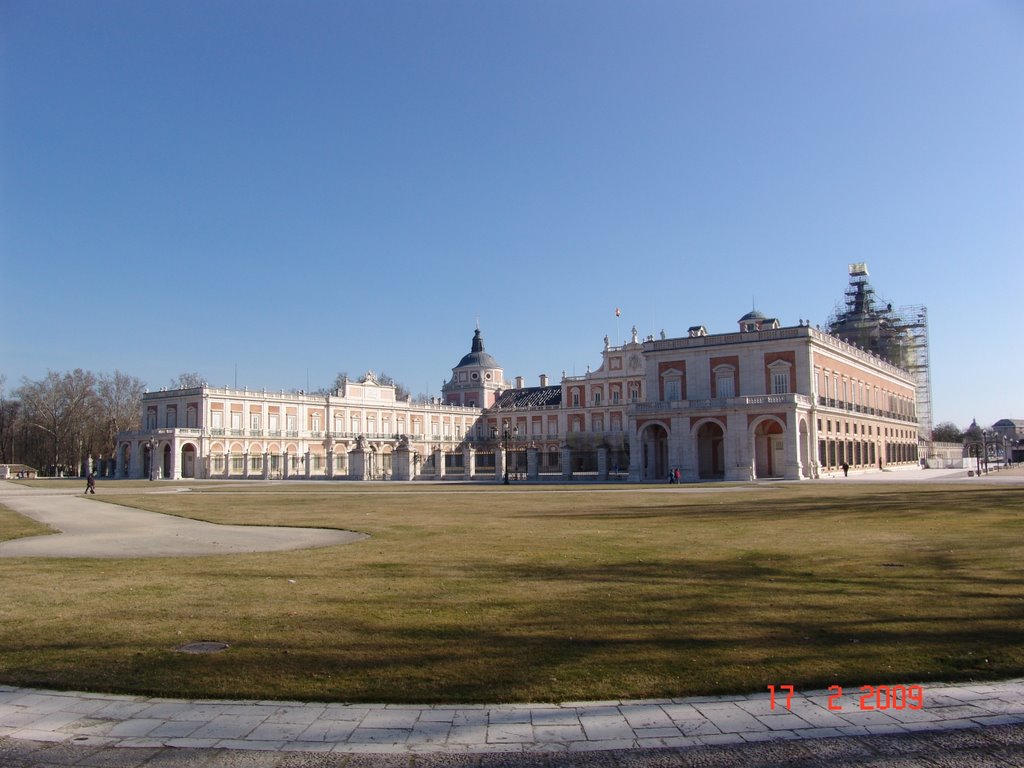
<point>303,188</point>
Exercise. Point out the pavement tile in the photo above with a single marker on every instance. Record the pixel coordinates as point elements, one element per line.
<point>509,733</point>
<point>603,728</point>
<point>328,730</point>
<point>362,735</point>
<point>559,733</point>
<point>430,731</point>
<point>656,733</point>
<point>554,717</point>
<point>509,716</point>
<point>729,718</point>
<point>639,716</point>
<point>277,731</point>
<point>600,745</point>
<point>390,718</point>
<point>227,727</point>
<point>468,734</point>
<point>136,727</point>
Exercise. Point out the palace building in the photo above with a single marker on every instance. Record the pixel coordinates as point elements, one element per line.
<point>763,401</point>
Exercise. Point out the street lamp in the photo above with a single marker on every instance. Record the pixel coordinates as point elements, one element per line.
<point>508,435</point>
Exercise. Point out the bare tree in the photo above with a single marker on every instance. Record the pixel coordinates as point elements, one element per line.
<point>8,424</point>
<point>62,406</point>
<point>120,397</point>
<point>187,381</point>
<point>401,391</point>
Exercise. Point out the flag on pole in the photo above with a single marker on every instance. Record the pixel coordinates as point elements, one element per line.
<point>618,312</point>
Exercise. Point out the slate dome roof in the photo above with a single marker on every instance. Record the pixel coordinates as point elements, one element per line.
<point>477,356</point>
<point>753,315</point>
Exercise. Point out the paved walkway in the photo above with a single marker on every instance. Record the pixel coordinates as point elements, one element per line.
<point>89,528</point>
<point>103,724</point>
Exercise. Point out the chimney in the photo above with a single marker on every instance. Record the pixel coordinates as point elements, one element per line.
<point>543,379</point>
<point>519,382</point>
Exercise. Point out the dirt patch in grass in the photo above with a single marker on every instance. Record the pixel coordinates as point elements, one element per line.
<point>488,594</point>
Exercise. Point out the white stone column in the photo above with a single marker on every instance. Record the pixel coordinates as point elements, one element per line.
<point>469,459</point>
<point>309,465</point>
<point>738,449</point>
<point>532,464</point>
<point>499,463</point>
<point>438,464</point>
<point>602,462</point>
<point>794,466</point>
<point>566,462</point>
<point>286,472</point>
<point>266,465</point>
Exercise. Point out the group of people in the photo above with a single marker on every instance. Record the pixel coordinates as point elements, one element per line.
<point>673,475</point>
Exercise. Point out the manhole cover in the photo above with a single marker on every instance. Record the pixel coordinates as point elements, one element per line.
<point>204,646</point>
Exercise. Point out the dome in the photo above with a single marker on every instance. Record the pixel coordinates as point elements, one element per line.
<point>477,356</point>
<point>753,315</point>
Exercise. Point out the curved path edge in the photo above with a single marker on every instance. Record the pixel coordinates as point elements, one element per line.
<point>88,528</point>
<point>111,721</point>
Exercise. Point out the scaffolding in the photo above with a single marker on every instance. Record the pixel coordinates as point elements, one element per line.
<point>898,335</point>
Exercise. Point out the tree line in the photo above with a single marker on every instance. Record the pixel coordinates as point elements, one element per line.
<point>54,423</point>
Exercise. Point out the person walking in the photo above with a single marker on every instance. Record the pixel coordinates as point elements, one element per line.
<point>846,469</point>
<point>90,484</point>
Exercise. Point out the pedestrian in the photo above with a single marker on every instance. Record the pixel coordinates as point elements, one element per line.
<point>90,483</point>
<point>846,469</point>
<point>677,475</point>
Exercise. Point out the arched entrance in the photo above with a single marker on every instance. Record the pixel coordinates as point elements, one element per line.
<point>188,460</point>
<point>769,449</point>
<point>654,456</point>
<point>711,451</point>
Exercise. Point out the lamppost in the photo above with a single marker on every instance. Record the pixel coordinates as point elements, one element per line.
<point>508,435</point>
<point>984,448</point>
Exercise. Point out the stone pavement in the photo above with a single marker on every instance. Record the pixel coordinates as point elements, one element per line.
<point>42,728</point>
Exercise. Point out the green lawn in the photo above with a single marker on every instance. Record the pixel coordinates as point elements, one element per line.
<point>482,594</point>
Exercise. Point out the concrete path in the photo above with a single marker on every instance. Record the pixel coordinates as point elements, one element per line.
<point>90,528</point>
<point>312,733</point>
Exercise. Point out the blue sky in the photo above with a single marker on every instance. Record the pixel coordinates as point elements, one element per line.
<point>298,189</point>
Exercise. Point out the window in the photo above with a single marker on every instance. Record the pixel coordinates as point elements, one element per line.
<point>290,420</point>
<point>780,377</point>
<point>724,381</point>
<point>171,417</point>
<point>780,382</point>
<point>217,419</point>
<point>236,419</point>
<point>615,396</point>
<point>314,422</point>
<point>191,417</point>
<point>254,421</point>
<point>672,390</point>
<point>597,397</point>
<point>575,399</point>
<point>634,392</point>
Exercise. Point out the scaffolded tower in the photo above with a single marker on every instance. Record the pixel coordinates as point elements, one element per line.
<point>898,335</point>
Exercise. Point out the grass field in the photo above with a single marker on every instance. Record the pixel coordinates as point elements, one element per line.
<point>485,594</point>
